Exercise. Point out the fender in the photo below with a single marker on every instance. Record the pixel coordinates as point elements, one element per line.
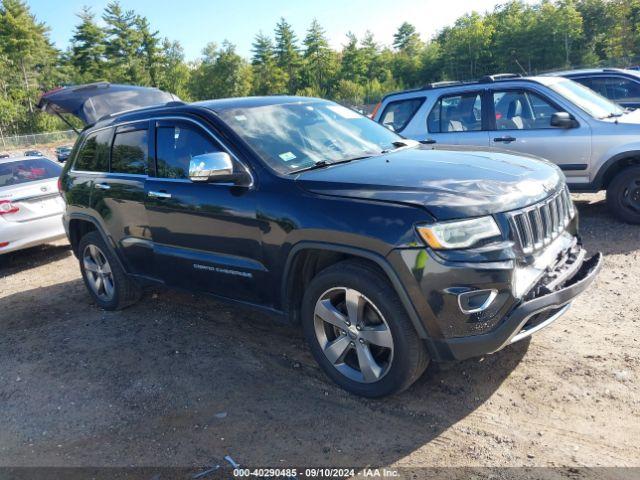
<point>598,181</point>
<point>356,252</point>
<point>107,239</point>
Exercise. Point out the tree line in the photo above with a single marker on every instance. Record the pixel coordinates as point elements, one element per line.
<point>120,46</point>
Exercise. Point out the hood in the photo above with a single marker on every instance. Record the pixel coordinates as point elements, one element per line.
<point>451,183</point>
<point>630,118</point>
<point>91,102</point>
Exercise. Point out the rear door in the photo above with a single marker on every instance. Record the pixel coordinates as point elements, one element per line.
<point>206,235</point>
<point>522,123</point>
<point>458,119</point>
<point>118,195</point>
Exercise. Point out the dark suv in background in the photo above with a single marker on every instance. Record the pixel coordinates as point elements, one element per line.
<point>617,84</point>
<point>387,253</point>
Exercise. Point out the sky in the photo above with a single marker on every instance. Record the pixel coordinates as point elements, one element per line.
<point>196,22</point>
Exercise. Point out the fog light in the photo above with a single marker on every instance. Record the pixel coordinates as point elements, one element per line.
<point>476,301</point>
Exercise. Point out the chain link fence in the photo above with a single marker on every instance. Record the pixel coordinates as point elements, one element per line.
<point>36,139</point>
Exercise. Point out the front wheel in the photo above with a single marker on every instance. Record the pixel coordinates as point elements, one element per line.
<point>359,331</point>
<point>623,195</point>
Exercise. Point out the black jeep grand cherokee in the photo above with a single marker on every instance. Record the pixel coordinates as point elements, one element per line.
<point>389,254</point>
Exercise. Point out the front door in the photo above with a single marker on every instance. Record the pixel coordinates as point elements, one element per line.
<point>205,235</point>
<point>523,124</point>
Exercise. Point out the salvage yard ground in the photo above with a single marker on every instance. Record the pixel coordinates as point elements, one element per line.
<point>180,381</point>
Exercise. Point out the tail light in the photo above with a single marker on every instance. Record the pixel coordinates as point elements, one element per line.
<point>60,184</point>
<point>375,109</point>
<point>6,207</point>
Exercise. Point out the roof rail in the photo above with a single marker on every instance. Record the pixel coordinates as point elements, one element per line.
<point>499,76</point>
<point>444,83</point>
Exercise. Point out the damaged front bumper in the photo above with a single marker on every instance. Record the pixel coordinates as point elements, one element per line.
<point>542,305</point>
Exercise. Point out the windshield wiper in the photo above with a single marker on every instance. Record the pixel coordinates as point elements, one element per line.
<point>613,115</point>
<point>324,163</point>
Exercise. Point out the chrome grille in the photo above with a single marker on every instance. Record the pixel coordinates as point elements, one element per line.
<point>537,226</point>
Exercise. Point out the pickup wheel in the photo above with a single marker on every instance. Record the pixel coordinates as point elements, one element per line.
<point>107,282</point>
<point>359,331</point>
<point>623,195</point>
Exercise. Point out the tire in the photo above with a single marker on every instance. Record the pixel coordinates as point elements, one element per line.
<point>97,260</point>
<point>384,331</point>
<point>623,195</point>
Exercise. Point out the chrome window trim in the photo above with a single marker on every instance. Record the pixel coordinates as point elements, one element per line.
<point>170,117</point>
<point>130,175</point>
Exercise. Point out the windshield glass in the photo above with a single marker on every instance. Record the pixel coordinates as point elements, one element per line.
<point>591,102</point>
<point>23,171</point>
<point>295,136</point>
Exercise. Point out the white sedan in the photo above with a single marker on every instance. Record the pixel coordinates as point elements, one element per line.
<point>30,205</point>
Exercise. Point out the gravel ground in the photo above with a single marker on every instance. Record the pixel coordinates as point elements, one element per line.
<point>180,381</point>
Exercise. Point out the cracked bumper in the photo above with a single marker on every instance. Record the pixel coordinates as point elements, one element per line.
<point>525,319</point>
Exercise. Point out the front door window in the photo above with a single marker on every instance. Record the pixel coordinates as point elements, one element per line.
<point>522,110</point>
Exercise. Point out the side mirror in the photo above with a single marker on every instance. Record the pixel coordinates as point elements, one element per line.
<point>213,167</point>
<point>563,120</point>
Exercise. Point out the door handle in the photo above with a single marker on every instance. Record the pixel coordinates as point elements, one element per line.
<point>508,139</point>
<point>428,141</point>
<point>103,186</point>
<point>158,194</point>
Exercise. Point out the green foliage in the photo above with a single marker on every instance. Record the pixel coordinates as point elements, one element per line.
<point>173,72</point>
<point>87,54</point>
<point>407,39</point>
<point>515,37</point>
<point>320,62</point>
<point>269,78</point>
<point>221,73</point>
<point>287,53</point>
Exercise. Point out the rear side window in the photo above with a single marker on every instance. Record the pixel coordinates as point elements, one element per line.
<point>456,113</point>
<point>130,152</point>
<point>94,154</point>
<point>23,171</point>
<point>398,114</point>
<point>176,145</point>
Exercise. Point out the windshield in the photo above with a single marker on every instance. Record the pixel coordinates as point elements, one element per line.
<point>23,171</point>
<point>591,102</point>
<point>295,136</point>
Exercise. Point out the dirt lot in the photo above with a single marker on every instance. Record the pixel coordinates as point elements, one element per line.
<point>180,381</point>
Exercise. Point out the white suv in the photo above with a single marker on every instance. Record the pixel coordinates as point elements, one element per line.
<point>594,141</point>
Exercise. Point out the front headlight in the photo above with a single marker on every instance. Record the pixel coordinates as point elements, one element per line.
<point>459,233</point>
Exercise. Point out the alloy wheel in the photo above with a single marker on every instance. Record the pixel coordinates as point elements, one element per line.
<point>98,272</point>
<point>353,335</point>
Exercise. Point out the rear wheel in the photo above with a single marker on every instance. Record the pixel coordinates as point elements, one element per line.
<point>109,285</point>
<point>359,331</point>
<point>623,195</point>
